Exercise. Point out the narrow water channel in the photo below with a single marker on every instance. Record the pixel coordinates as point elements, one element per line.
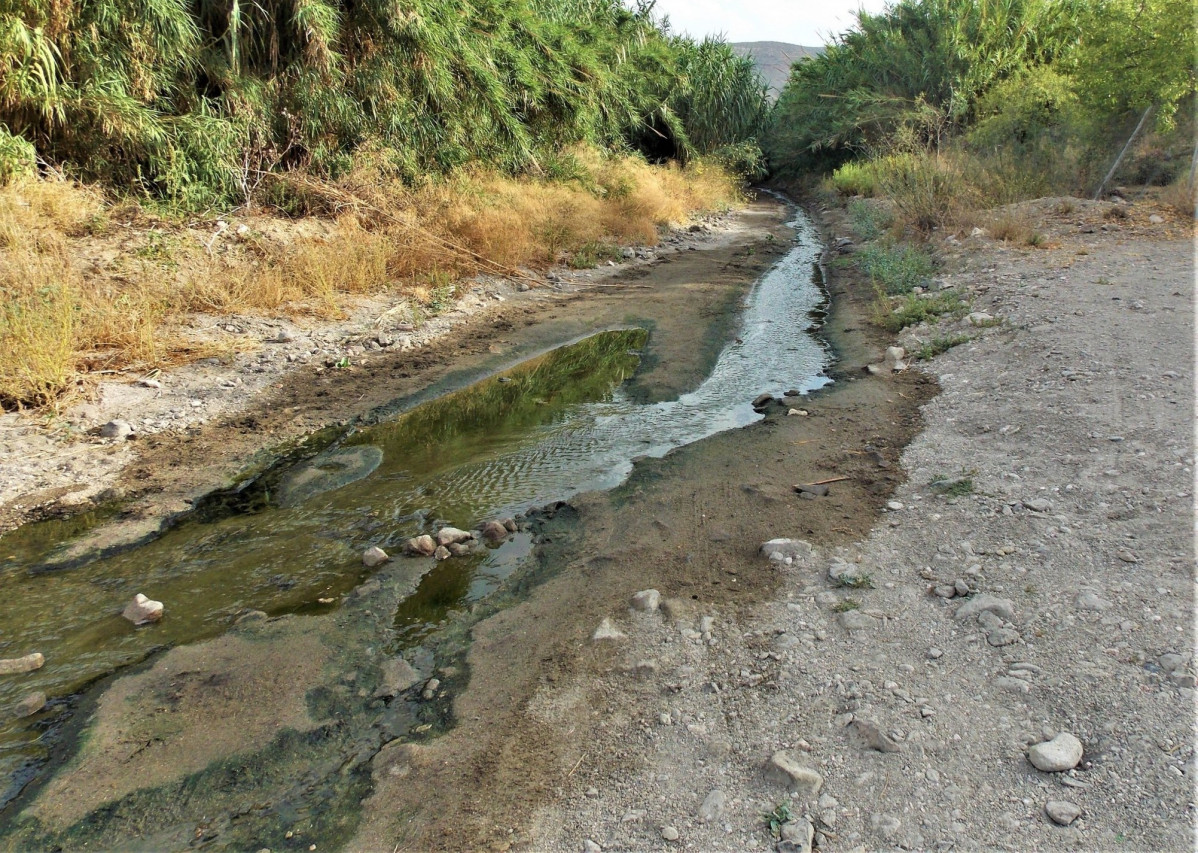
<point>547,429</point>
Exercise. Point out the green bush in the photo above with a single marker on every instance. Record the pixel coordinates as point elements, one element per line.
<point>17,156</point>
<point>856,178</point>
<point>896,268</point>
<point>927,190</point>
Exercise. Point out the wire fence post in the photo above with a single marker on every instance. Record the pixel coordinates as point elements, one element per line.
<point>1123,153</point>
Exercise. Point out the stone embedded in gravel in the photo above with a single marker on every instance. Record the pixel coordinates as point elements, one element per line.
<point>1038,505</point>
<point>944,591</point>
<point>116,429</point>
<point>647,600</point>
<point>935,653</point>
<point>588,846</point>
<point>142,610</point>
<point>885,825</point>
<point>1127,556</point>
<point>669,833</point>
<point>793,548</point>
<point>15,666</point>
<point>784,770</point>
<point>894,506</point>
<point>494,531</point>
<point>796,836</point>
<point>855,620</point>
<point>712,807</point>
<point>1089,600</point>
<point>452,535</point>
<point>374,556</point>
<point>870,736</point>
<point>420,546</point>
<point>30,705</point>
<point>999,637</point>
<point>1063,752</point>
<point>397,677</point>
<point>607,631</point>
<point>979,318</point>
<point>1156,219</point>
<point>1062,811</point>
<point>998,606</point>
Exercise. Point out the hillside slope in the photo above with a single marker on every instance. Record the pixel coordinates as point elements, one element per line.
<point>774,58</point>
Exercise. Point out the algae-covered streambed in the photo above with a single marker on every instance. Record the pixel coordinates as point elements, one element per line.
<point>181,751</point>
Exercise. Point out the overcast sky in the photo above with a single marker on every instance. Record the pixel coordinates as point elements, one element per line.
<point>806,22</point>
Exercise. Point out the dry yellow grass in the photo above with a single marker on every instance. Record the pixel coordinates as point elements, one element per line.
<point>85,285</point>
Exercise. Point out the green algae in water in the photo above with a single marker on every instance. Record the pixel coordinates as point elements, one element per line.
<point>286,558</point>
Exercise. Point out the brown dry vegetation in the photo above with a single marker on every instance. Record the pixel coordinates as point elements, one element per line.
<point>87,285</point>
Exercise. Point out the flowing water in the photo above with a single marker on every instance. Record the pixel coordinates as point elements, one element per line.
<point>290,540</point>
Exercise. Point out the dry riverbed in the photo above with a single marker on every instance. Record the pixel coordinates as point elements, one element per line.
<point>1043,469</point>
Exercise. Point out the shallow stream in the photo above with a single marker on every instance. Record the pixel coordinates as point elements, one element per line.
<point>290,540</point>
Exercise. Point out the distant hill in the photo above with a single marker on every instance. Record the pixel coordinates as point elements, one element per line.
<point>774,59</point>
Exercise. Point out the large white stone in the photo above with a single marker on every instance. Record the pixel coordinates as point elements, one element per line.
<point>142,610</point>
<point>374,556</point>
<point>647,600</point>
<point>1063,752</point>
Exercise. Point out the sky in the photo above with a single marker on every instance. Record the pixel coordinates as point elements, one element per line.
<point>806,22</point>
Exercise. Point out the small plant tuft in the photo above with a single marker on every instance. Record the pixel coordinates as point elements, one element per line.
<point>954,487</point>
<point>914,309</point>
<point>777,818</point>
<point>846,605</point>
<point>863,581</point>
<point>940,345</point>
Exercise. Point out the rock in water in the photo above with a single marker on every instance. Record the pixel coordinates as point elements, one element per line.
<point>452,536</point>
<point>142,610</point>
<point>328,471</point>
<point>494,531</point>
<point>30,705</point>
<point>397,676</point>
<point>442,553</point>
<point>1062,811</point>
<point>1063,752</point>
<point>647,600</point>
<point>783,769</point>
<point>374,556</point>
<point>420,546</point>
<point>14,666</point>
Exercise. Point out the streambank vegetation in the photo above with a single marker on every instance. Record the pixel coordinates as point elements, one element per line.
<point>932,114</point>
<point>161,158</point>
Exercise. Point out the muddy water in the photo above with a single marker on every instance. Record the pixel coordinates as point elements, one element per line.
<point>289,541</point>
